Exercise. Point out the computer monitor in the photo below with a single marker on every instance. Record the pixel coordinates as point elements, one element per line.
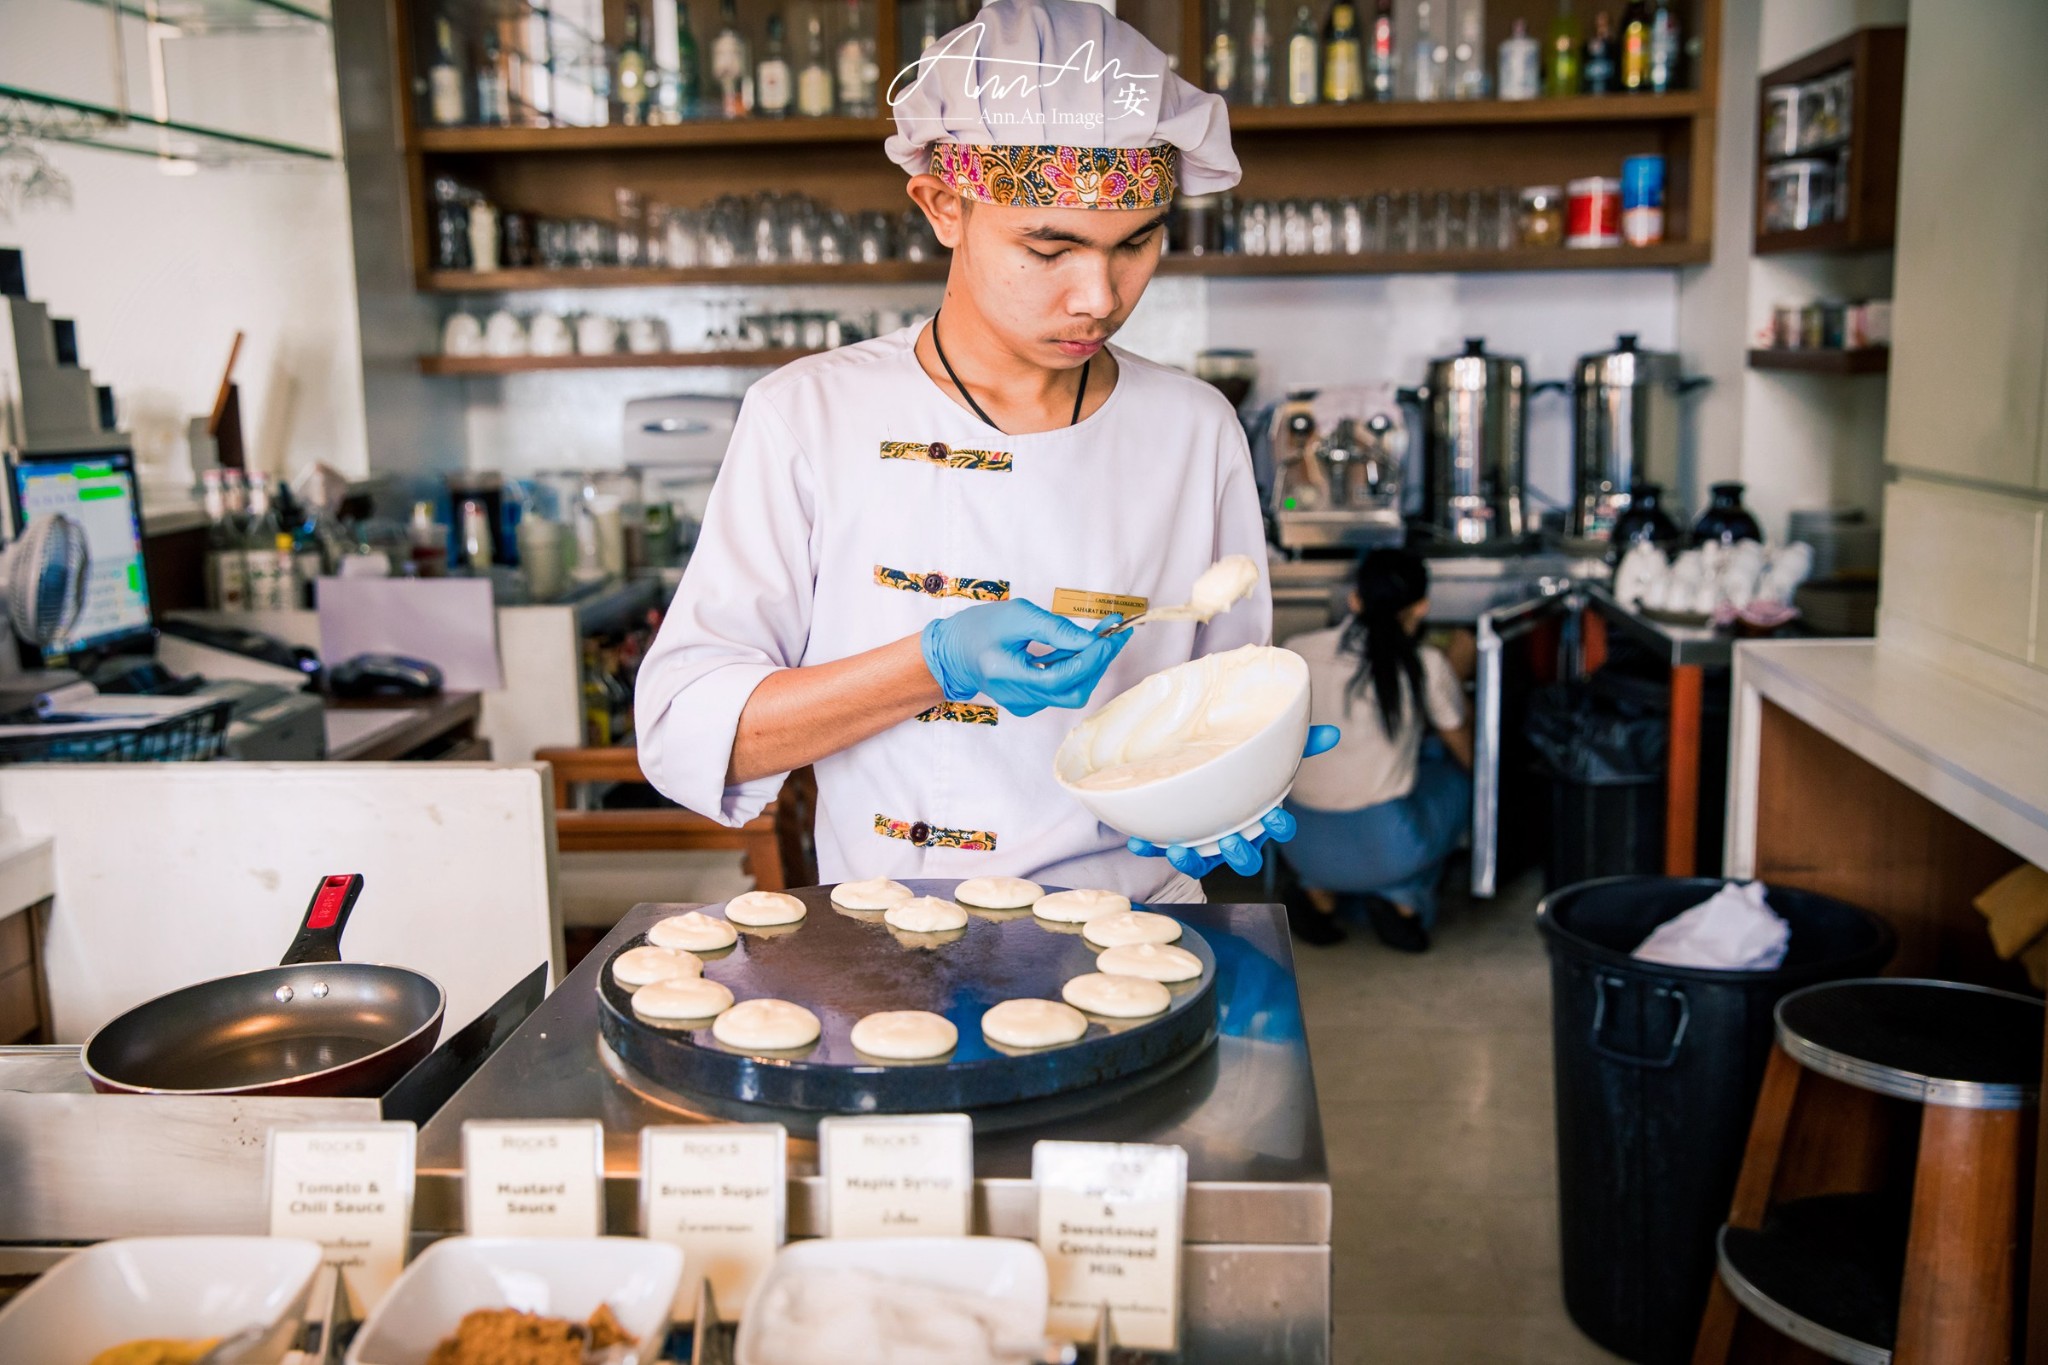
<point>97,490</point>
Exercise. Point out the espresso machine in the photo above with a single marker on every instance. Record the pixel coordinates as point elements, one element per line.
<point>1471,411</point>
<point>1338,468</point>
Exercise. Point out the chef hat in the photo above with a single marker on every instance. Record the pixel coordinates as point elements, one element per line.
<point>1058,104</point>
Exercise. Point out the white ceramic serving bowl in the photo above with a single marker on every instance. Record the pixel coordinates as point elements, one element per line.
<point>176,1287</point>
<point>1226,795</point>
<point>1000,1268</point>
<point>563,1277</point>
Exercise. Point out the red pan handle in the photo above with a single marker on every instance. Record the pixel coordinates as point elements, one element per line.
<point>319,937</point>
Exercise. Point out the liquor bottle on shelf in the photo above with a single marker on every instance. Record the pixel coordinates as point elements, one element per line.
<point>772,93</point>
<point>445,104</point>
<point>1468,50</point>
<point>930,27</point>
<point>1561,60</point>
<point>1429,63</point>
<point>732,64</point>
<point>857,70</point>
<point>227,579</point>
<point>1343,56</point>
<point>1223,53</point>
<point>1259,57</point>
<point>685,85</point>
<point>1382,66</point>
<point>814,78</point>
<point>1664,50</point>
<point>493,101</point>
<point>1596,67</point>
<point>259,549</point>
<point>1635,47</point>
<point>629,81</point>
<point>1304,59</point>
<point>1521,65</point>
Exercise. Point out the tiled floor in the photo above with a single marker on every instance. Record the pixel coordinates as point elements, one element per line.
<point>1434,1076</point>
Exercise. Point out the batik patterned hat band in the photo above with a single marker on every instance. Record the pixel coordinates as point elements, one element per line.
<point>1057,177</point>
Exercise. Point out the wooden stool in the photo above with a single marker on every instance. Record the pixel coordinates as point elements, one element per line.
<point>1815,1248</point>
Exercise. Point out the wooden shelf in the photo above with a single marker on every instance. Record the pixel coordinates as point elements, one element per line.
<point>1835,236</point>
<point>625,277</point>
<point>1468,113</point>
<point>763,358</point>
<point>1877,56</point>
<point>742,132</point>
<point>1862,360</point>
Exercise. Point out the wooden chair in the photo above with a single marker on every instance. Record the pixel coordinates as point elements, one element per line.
<point>774,843</point>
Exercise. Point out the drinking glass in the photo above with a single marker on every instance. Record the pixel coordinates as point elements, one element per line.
<point>1254,229</point>
<point>1322,229</point>
<point>551,236</point>
<point>1407,224</point>
<point>628,222</point>
<point>588,240</point>
<point>1293,228</point>
<point>1437,227</point>
<point>1379,223</point>
<point>872,242</point>
<point>1351,226</point>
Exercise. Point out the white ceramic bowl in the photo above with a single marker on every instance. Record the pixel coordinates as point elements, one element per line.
<point>1262,689</point>
<point>563,1277</point>
<point>177,1287</point>
<point>1000,1268</point>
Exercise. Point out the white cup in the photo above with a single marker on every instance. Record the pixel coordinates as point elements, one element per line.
<point>596,334</point>
<point>548,334</point>
<point>646,336</point>
<point>504,334</point>
<point>462,334</point>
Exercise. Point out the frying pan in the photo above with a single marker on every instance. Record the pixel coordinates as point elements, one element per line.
<point>313,1026</point>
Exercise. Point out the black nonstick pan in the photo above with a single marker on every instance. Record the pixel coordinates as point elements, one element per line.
<point>314,1026</point>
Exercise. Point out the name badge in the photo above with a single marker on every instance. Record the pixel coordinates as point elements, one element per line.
<point>1095,605</point>
<point>718,1193</point>
<point>1109,1218</point>
<point>532,1179</point>
<point>898,1177</point>
<point>349,1188</point>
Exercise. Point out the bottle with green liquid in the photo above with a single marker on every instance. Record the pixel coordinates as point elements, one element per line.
<point>1561,57</point>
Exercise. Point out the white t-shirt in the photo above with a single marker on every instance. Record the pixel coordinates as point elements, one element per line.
<point>1366,768</point>
<point>857,502</point>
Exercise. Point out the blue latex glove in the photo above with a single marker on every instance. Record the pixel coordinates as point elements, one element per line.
<point>1245,856</point>
<point>985,650</point>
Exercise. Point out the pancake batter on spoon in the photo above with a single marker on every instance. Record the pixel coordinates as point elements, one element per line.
<point>912,540</point>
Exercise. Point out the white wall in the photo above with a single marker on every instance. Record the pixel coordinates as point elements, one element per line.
<point>161,270</point>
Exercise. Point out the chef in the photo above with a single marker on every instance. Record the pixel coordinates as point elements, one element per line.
<point>914,542</point>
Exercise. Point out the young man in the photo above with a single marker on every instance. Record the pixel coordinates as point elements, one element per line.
<point>902,529</point>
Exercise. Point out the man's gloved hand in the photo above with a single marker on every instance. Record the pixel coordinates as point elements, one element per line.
<point>1245,856</point>
<point>985,650</point>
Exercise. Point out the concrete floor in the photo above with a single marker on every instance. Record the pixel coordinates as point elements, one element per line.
<point>1435,1081</point>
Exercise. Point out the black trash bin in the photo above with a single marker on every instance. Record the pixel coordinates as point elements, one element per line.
<point>1599,746</point>
<point>1657,1070</point>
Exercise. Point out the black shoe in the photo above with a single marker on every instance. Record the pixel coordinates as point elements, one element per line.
<point>1396,930</point>
<point>1311,925</point>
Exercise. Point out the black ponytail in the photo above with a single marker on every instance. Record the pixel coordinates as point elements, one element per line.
<point>1388,583</point>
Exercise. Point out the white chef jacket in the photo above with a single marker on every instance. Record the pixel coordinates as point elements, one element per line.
<point>856,502</point>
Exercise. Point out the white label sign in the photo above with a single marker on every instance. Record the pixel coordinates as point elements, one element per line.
<point>533,1179</point>
<point>898,1177</point>
<point>718,1193</point>
<point>349,1188</point>
<point>1109,1224</point>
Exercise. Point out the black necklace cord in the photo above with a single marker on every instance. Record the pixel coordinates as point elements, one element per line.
<point>1080,391</point>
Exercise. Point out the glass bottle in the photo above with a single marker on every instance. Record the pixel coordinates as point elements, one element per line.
<point>772,93</point>
<point>1635,47</point>
<point>1468,69</point>
<point>814,78</point>
<point>1726,520</point>
<point>689,77</point>
<point>732,64</point>
<point>857,70</point>
<point>444,78</point>
<point>1259,57</point>
<point>1432,54</point>
<point>1343,56</point>
<point>259,548</point>
<point>930,27</point>
<point>1304,59</point>
<point>1521,62</point>
<point>1596,67</point>
<point>493,105</point>
<point>1381,64</point>
<point>629,79</point>
<point>1223,53</point>
<point>227,579</point>
<point>1664,49</point>
<point>1561,66</point>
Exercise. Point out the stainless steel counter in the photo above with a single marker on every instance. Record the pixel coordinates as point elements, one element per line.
<point>1257,1231</point>
<point>1678,646</point>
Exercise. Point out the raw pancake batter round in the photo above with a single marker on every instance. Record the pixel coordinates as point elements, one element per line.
<point>905,1035</point>
<point>696,931</point>
<point>682,997</point>
<point>1130,927</point>
<point>760,909</point>
<point>1078,907</point>
<point>1117,997</point>
<point>875,893</point>
<point>1033,1023</point>
<point>1160,962</point>
<point>647,964</point>
<point>766,1026</point>
<point>925,915</point>
<point>998,893</point>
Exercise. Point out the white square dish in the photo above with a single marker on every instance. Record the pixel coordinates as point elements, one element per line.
<point>563,1277</point>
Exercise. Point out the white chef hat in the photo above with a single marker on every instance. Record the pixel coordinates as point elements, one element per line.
<point>1058,104</point>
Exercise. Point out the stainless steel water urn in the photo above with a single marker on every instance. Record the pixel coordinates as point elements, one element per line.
<point>1625,427</point>
<point>1473,430</point>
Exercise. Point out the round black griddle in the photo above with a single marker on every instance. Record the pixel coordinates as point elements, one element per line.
<point>843,964</point>
<point>314,1026</point>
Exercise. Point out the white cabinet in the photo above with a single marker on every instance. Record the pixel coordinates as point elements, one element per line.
<point>1970,353</point>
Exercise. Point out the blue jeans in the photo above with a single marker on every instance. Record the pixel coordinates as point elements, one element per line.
<point>1395,849</point>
